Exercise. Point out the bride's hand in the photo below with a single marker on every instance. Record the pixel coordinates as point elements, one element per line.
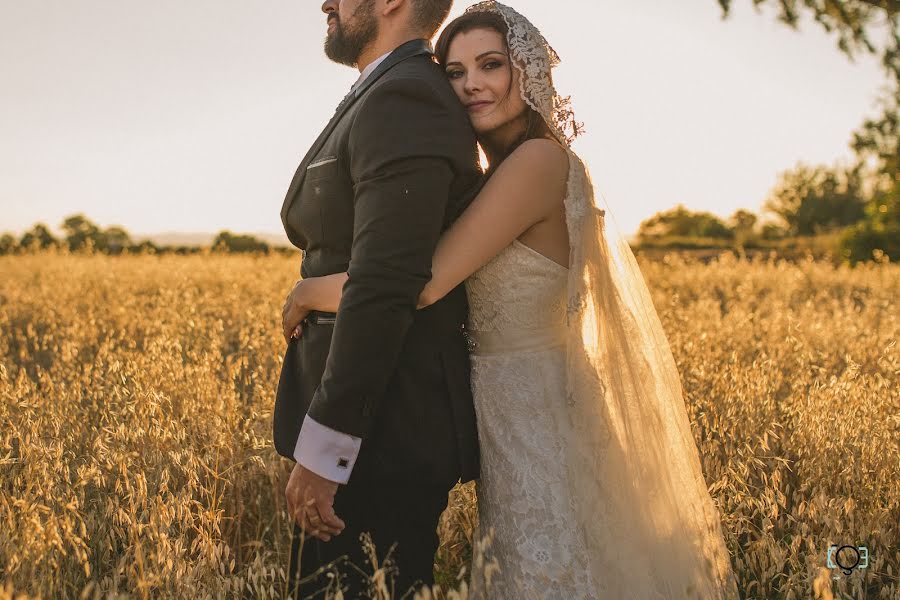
<point>295,310</point>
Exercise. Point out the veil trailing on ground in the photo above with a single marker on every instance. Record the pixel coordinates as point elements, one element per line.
<point>651,527</point>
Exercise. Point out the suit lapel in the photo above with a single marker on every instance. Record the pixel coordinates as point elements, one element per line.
<point>401,53</point>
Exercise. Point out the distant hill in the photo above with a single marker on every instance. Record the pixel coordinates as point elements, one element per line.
<point>174,238</point>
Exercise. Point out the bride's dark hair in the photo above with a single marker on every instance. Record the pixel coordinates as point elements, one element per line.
<point>535,127</point>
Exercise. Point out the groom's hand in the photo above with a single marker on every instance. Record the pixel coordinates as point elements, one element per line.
<point>310,500</point>
<point>292,313</point>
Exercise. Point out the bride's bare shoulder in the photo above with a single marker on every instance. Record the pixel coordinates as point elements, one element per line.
<point>543,151</point>
<point>544,159</point>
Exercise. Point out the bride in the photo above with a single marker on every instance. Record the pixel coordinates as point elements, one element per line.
<point>591,479</point>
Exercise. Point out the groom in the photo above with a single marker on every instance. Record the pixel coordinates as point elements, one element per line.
<point>373,402</point>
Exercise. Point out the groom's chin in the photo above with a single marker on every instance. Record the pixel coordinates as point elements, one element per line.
<point>336,53</point>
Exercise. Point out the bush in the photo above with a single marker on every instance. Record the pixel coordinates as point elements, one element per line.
<point>871,240</point>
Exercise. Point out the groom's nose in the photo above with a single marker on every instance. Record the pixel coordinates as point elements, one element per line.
<point>330,6</point>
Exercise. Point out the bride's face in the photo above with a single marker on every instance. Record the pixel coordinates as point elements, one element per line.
<point>479,69</point>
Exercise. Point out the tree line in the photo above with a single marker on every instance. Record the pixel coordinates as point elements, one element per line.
<point>858,205</point>
<point>80,234</point>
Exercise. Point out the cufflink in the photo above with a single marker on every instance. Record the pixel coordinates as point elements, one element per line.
<point>343,463</point>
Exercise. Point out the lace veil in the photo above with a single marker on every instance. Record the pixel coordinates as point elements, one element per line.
<point>633,466</point>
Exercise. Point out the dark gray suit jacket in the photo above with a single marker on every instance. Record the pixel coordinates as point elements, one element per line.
<point>393,169</point>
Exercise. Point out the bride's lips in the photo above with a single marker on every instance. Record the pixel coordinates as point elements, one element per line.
<point>478,106</point>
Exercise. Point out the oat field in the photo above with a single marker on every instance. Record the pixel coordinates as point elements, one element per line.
<point>135,414</point>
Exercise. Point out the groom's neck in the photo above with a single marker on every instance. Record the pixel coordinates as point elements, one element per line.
<point>386,42</point>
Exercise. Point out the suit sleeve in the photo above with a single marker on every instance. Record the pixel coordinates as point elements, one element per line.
<point>401,170</point>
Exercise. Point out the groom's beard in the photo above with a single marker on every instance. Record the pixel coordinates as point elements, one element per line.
<point>345,45</point>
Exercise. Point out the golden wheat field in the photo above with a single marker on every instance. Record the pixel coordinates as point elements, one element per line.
<point>135,417</point>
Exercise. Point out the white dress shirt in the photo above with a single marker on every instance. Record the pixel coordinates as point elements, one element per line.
<point>324,451</point>
<point>368,70</point>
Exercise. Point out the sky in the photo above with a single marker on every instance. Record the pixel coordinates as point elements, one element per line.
<point>172,116</point>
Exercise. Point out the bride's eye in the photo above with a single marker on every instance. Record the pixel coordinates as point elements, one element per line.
<point>454,74</point>
<point>492,64</point>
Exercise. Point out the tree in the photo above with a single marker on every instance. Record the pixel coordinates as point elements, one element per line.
<point>812,200</point>
<point>229,242</point>
<point>854,22</point>
<point>114,240</point>
<point>145,247</point>
<point>877,233</point>
<point>877,146</point>
<point>742,222</point>
<point>681,222</point>
<point>80,232</point>
<point>7,244</point>
<point>743,219</point>
<point>38,237</point>
<point>771,231</point>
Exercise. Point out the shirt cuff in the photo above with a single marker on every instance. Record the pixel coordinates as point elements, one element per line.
<point>328,453</point>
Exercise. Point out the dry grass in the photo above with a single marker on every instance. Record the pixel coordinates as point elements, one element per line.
<point>135,419</point>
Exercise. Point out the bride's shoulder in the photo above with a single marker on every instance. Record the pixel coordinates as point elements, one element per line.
<point>542,157</point>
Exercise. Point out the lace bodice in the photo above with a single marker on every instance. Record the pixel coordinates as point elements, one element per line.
<point>518,289</point>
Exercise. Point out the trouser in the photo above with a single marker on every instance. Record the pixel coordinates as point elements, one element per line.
<point>400,518</point>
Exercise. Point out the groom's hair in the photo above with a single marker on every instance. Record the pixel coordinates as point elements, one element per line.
<point>429,14</point>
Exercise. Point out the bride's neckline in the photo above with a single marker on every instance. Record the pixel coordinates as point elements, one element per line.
<point>546,258</point>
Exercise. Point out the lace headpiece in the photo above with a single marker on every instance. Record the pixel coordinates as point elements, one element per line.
<point>534,58</point>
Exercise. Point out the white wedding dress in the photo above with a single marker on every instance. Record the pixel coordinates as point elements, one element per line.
<point>517,323</point>
<point>591,478</point>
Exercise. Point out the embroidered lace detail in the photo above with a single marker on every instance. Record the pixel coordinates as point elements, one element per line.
<point>522,492</point>
<point>534,298</point>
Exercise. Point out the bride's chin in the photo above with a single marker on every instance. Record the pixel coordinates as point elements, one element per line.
<point>499,132</point>
<point>481,132</point>
<point>487,124</point>
<point>480,129</point>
